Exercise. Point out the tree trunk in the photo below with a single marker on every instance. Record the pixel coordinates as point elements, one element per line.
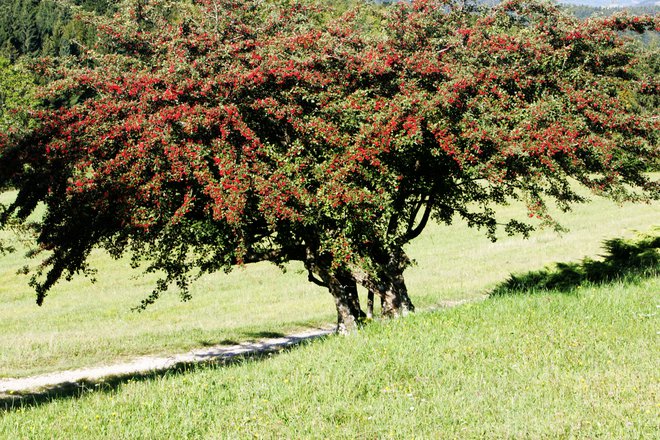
<point>389,284</point>
<point>398,263</point>
<point>396,301</point>
<point>391,301</point>
<point>344,290</point>
<point>370,304</point>
<point>372,292</point>
<point>392,290</point>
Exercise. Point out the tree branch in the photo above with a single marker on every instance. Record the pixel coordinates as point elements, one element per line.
<point>289,254</point>
<point>313,279</point>
<point>415,211</point>
<point>414,233</point>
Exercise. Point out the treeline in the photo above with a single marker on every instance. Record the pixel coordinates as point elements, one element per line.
<point>36,28</point>
<point>33,29</point>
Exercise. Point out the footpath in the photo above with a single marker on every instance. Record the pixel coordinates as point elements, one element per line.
<point>35,389</point>
<point>14,390</point>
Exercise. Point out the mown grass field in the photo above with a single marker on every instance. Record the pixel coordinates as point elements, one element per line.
<point>85,324</point>
<point>576,365</point>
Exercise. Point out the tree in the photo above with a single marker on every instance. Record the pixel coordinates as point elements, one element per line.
<point>36,28</point>
<point>511,105</point>
<point>17,90</point>
<point>201,135</point>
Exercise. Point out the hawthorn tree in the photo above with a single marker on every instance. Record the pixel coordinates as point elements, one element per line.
<point>200,135</point>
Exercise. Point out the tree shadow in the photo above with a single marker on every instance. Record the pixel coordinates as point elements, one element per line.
<point>624,259</point>
<point>222,357</point>
<point>209,343</point>
<point>245,336</point>
<point>264,334</point>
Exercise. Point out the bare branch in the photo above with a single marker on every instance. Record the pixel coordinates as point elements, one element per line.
<point>313,279</point>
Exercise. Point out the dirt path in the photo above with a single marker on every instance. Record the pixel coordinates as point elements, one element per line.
<point>42,385</point>
<point>152,364</point>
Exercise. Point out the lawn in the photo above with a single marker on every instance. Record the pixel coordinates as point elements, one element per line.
<point>85,324</point>
<point>576,365</point>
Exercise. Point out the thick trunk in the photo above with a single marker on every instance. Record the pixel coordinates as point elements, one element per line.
<point>389,285</point>
<point>392,291</point>
<point>396,301</point>
<point>342,286</point>
<point>391,301</point>
<point>398,263</point>
<point>344,290</point>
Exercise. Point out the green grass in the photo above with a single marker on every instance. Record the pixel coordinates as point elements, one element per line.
<point>639,256</point>
<point>576,365</point>
<point>84,324</point>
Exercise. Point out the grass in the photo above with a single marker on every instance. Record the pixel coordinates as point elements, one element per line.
<point>84,324</point>
<point>624,257</point>
<point>577,365</point>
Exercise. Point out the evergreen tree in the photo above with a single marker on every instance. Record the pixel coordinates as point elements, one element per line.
<point>45,27</point>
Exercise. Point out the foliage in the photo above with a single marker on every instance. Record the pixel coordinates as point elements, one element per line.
<point>17,94</point>
<point>647,67</point>
<point>471,111</point>
<point>624,258</point>
<point>36,28</point>
<point>200,135</point>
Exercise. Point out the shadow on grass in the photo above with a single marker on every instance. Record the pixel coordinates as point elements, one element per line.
<point>247,336</point>
<point>222,358</point>
<point>265,334</point>
<point>208,343</point>
<point>624,259</point>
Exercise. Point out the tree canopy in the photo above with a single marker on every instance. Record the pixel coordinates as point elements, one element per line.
<point>36,28</point>
<point>204,134</point>
<point>17,90</point>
